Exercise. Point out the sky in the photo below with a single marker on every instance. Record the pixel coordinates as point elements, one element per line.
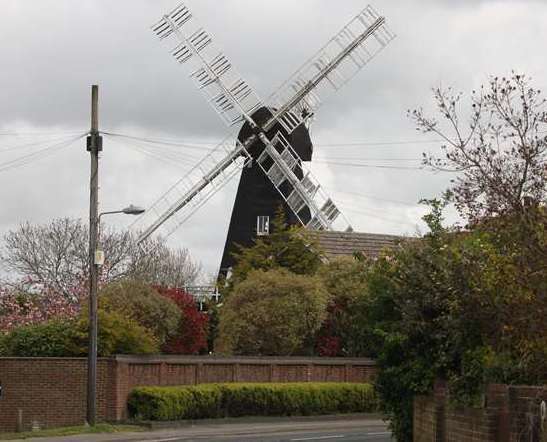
<point>52,51</point>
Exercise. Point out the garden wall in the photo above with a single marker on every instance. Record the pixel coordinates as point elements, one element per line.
<point>52,391</point>
<point>508,414</point>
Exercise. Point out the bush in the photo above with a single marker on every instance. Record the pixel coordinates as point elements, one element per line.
<point>65,338</point>
<point>191,336</point>
<point>138,301</point>
<point>272,313</point>
<point>117,335</point>
<point>232,400</point>
<point>55,338</point>
<point>345,280</point>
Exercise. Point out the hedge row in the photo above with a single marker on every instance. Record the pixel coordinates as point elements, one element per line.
<point>232,400</point>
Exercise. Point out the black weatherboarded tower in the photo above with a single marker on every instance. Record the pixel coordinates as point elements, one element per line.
<point>257,199</point>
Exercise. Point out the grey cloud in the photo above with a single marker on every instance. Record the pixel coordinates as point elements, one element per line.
<point>52,51</point>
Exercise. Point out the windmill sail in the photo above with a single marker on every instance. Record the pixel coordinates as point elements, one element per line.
<point>235,102</point>
<point>189,193</point>
<point>330,68</point>
<point>303,194</point>
<point>213,74</point>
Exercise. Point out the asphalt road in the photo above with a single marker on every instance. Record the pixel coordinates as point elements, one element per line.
<point>327,429</point>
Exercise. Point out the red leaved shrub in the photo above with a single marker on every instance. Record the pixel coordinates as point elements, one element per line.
<point>192,336</point>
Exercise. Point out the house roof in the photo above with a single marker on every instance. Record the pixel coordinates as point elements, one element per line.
<point>336,244</point>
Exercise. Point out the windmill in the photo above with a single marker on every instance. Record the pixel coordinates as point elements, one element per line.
<point>273,140</point>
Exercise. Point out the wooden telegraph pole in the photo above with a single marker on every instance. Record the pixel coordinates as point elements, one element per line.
<point>94,146</point>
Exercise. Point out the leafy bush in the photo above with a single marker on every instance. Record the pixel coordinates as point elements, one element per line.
<point>64,338</point>
<point>117,334</point>
<point>345,280</point>
<point>465,306</point>
<point>139,301</point>
<point>55,338</point>
<point>191,335</point>
<point>287,247</point>
<point>273,312</point>
<point>224,400</point>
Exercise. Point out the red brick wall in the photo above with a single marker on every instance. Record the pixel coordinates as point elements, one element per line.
<point>509,414</point>
<point>52,391</point>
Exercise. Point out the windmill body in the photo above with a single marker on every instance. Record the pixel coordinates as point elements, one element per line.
<point>272,141</point>
<point>256,196</point>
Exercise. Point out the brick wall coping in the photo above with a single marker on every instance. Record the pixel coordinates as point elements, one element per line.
<point>44,358</point>
<point>181,359</point>
<point>253,360</point>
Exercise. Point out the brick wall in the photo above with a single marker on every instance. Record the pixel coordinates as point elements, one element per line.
<point>52,391</point>
<point>508,414</point>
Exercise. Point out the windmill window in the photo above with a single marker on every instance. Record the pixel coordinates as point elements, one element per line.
<point>262,225</point>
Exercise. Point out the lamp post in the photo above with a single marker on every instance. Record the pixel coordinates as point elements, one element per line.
<point>98,259</point>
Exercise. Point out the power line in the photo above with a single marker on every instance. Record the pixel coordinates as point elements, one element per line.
<point>389,220</point>
<point>360,195</point>
<point>367,159</point>
<point>42,153</point>
<point>155,141</point>
<point>200,144</point>
<point>151,154</point>
<point>27,145</point>
<point>370,166</point>
<point>36,134</point>
<point>378,143</point>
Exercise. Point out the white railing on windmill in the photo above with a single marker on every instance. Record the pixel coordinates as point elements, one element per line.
<point>235,101</point>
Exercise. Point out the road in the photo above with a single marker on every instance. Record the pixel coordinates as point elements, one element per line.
<point>326,429</point>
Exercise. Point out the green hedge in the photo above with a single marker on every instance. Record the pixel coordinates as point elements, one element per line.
<point>232,400</point>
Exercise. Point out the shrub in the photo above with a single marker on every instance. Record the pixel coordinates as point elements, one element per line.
<point>345,280</point>
<point>138,301</point>
<point>63,338</point>
<point>273,312</point>
<point>232,400</point>
<point>55,338</point>
<point>118,334</point>
<point>191,335</point>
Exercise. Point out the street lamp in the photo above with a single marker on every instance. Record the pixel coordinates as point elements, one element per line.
<point>98,260</point>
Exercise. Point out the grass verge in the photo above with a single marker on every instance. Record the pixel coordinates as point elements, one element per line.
<point>71,431</point>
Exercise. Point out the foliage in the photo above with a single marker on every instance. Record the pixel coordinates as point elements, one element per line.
<point>287,247</point>
<point>500,154</point>
<point>139,301</point>
<point>65,338</point>
<point>272,312</point>
<point>463,306</point>
<point>223,400</point>
<point>19,308</point>
<point>55,338</point>
<point>345,280</point>
<point>55,256</point>
<point>117,334</point>
<point>191,335</point>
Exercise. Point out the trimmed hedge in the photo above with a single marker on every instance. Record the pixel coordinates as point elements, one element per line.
<point>233,400</point>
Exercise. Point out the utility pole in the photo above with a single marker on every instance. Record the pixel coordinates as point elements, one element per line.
<point>94,146</point>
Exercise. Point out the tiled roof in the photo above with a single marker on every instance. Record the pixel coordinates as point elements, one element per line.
<point>335,244</point>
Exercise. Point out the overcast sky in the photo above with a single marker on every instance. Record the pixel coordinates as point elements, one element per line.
<point>51,51</point>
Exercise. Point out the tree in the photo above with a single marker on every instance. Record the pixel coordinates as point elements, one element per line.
<point>345,279</point>
<point>140,302</point>
<point>273,312</point>
<point>288,247</point>
<point>500,153</point>
<point>457,305</point>
<point>55,257</point>
<point>20,308</point>
<point>191,335</point>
